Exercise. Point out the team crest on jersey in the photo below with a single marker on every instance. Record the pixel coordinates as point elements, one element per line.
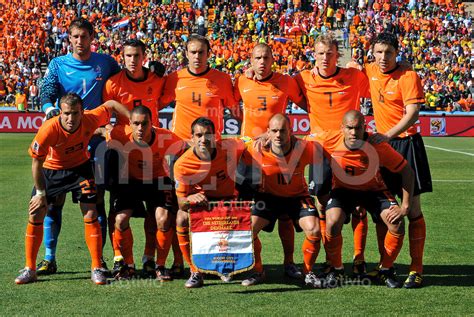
<point>35,146</point>
<point>212,87</point>
<point>150,90</point>
<point>275,89</point>
<point>98,70</point>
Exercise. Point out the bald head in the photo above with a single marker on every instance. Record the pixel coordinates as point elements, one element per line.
<point>353,128</point>
<point>352,115</point>
<point>262,47</point>
<point>279,118</point>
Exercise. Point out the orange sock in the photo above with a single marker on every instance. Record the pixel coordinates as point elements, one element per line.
<point>334,249</point>
<point>115,245</point>
<point>381,230</point>
<point>417,235</point>
<point>33,239</point>
<point>150,237</point>
<point>322,225</point>
<point>393,245</point>
<point>359,227</point>
<point>287,237</point>
<point>257,251</point>
<point>124,240</point>
<point>93,236</point>
<point>163,242</point>
<point>177,255</point>
<point>183,238</point>
<point>310,249</point>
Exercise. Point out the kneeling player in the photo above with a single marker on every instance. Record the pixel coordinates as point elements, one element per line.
<point>205,172</point>
<point>144,147</point>
<point>357,182</point>
<point>60,165</point>
<point>284,191</point>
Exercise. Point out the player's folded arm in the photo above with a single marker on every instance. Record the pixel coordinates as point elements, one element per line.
<point>115,106</point>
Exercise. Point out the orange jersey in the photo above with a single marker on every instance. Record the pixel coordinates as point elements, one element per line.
<point>145,162</point>
<point>284,175</point>
<point>328,99</point>
<point>197,96</point>
<point>63,150</point>
<point>133,93</point>
<point>215,178</point>
<point>390,94</point>
<point>325,138</point>
<point>360,169</point>
<point>263,99</point>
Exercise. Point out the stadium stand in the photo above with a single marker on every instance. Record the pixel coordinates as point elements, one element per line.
<point>435,36</point>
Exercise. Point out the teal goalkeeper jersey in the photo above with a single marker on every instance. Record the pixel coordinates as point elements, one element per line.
<point>86,78</point>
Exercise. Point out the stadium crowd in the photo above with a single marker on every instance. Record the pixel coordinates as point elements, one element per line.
<point>436,40</point>
<point>435,37</point>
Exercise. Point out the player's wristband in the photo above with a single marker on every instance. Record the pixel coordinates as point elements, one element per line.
<point>40,192</point>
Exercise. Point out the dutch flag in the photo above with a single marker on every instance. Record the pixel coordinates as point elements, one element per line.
<point>121,23</point>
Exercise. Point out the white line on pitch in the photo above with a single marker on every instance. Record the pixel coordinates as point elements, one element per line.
<point>452,151</point>
<point>454,180</point>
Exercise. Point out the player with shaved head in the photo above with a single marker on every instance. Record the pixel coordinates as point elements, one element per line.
<point>357,182</point>
<point>264,95</point>
<point>283,191</point>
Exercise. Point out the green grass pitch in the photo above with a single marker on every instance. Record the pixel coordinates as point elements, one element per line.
<point>449,255</point>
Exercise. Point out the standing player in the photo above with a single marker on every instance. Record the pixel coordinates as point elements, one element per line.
<point>144,148</point>
<point>330,92</point>
<point>396,98</point>
<point>199,91</point>
<point>284,191</point>
<point>84,73</point>
<point>264,96</point>
<point>136,86</point>
<point>357,182</point>
<point>203,173</point>
<point>60,165</point>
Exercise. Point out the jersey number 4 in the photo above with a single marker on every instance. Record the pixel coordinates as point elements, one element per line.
<point>196,100</point>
